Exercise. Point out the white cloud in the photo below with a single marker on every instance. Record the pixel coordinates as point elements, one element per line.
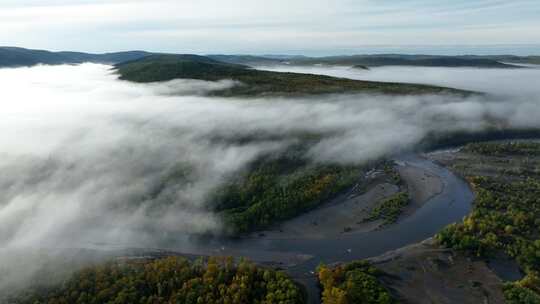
<point>210,26</point>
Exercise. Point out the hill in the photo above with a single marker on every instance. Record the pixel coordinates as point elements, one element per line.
<point>254,82</point>
<point>509,58</point>
<point>380,60</point>
<point>17,57</point>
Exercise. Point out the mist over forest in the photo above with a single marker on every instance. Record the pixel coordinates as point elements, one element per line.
<point>82,151</point>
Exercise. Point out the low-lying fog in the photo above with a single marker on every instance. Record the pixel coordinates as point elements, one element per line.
<point>496,81</point>
<point>80,150</point>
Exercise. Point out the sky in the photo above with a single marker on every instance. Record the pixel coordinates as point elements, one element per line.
<point>312,27</point>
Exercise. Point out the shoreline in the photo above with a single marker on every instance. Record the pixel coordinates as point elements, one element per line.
<point>344,215</point>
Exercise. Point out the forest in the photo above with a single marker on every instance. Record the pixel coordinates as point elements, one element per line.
<point>171,280</point>
<point>504,149</point>
<point>505,218</point>
<point>278,187</point>
<point>259,82</point>
<point>353,283</point>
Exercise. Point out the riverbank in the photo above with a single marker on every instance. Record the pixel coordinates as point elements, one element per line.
<point>426,273</point>
<point>473,269</point>
<point>347,214</point>
<point>299,257</point>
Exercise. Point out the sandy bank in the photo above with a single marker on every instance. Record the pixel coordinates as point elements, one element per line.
<point>424,273</point>
<point>345,215</point>
<point>421,185</point>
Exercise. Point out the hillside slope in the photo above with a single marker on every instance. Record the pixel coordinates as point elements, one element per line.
<point>17,57</point>
<point>259,82</point>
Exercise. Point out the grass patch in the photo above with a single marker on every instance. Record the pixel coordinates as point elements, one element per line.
<point>390,209</point>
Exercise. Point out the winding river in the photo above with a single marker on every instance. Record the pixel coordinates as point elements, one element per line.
<point>447,207</point>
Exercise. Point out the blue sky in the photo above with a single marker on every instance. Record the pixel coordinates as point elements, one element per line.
<point>315,27</point>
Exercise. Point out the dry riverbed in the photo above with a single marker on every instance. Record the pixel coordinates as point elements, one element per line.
<point>425,274</point>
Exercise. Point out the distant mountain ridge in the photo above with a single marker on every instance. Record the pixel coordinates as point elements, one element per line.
<point>368,61</point>
<point>18,57</point>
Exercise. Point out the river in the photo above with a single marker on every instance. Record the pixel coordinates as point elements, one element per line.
<point>449,206</point>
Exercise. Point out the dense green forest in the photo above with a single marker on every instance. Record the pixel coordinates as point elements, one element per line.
<point>274,187</point>
<point>437,140</point>
<point>353,283</point>
<point>171,280</point>
<point>258,82</point>
<point>505,217</point>
<point>278,187</point>
<point>504,149</point>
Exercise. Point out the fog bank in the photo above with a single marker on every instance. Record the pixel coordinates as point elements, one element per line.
<point>505,82</point>
<point>86,158</point>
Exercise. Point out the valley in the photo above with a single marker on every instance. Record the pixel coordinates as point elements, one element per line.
<point>250,204</point>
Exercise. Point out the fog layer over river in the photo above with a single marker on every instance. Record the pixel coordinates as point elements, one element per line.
<point>81,151</point>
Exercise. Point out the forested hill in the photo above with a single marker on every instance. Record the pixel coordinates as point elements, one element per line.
<point>166,67</point>
<point>254,82</point>
<point>382,60</point>
<point>17,57</point>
